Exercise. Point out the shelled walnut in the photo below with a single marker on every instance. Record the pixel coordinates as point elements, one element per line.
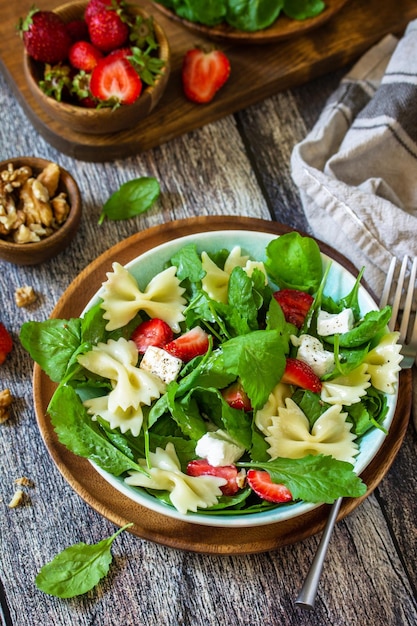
<point>6,400</point>
<point>31,208</point>
<point>24,296</point>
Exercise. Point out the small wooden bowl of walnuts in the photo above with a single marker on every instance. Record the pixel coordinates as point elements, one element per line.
<point>101,72</point>
<point>40,210</point>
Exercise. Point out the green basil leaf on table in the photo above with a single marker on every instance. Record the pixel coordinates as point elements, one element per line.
<point>131,199</point>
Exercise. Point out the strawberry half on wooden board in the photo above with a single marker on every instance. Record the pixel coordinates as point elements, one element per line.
<point>203,74</point>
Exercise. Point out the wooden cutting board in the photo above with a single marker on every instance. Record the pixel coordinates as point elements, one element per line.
<point>258,71</point>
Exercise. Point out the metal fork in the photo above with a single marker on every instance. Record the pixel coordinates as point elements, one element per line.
<point>403,295</point>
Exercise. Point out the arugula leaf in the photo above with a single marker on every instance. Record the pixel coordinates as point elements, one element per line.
<point>83,436</point>
<point>258,359</point>
<point>294,262</point>
<point>77,569</point>
<point>52,344</point>
<point>132,198</point>
<point>314,478</point>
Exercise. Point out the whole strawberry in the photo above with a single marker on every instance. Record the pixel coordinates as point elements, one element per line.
<point>84,56</point>
<point>6,343</point>
<point>107,30</point>
<point>95,6</point>
<point>45,36</point>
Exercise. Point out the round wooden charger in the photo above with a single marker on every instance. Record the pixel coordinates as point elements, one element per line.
<point>283,28</point>
<point>156,527</point>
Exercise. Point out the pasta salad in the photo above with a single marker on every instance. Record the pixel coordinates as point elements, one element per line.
<point>225,385</point>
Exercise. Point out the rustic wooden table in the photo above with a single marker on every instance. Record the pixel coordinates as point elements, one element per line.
<point>236,166</point>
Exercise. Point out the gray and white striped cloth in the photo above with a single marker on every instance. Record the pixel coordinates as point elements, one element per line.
<point>357,169</point>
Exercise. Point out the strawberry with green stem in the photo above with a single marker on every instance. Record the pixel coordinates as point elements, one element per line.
<point>45,36</point>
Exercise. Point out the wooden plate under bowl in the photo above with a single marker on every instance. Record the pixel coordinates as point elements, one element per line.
<point>148,524</point>
<point>282,29</point>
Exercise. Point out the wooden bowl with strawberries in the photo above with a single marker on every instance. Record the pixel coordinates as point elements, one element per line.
<point>40,210</point>
<point>115,90</point>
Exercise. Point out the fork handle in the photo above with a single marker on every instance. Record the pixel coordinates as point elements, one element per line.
<point>307,596</point>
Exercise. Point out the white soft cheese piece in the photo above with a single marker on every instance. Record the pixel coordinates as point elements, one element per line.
<point>311,351</point>
<point>218,449</point>
<point>159,362</point>
<point>333,323</point>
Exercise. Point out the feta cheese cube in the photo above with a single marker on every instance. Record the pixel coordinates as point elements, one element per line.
<point>218,448</point>
<point>311,351</point>
<point>160,363</point>
<point>333,323</point>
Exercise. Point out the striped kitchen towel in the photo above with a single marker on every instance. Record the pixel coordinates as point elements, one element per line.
<point>357,169</point>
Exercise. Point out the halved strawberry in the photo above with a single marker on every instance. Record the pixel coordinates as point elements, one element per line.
<point>203,73</point>
<point>295,305</point>
<point>260,482</point>
<point>302,375</point>
<point>115,80</point>
<point>201,467</point>
<point>236,397</point>
<point>154,332</point>
<point>84,56</point>
<point>6,343</point>
<point>189,345</point>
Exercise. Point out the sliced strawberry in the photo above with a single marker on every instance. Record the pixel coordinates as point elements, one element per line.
<point>204,73</point>
<point>84,56</point>
<point>236,397</point>
<point>301,375</point>
<point>114,80</point>
<point>201,467</point>
<point>260,482</point>
<point>154,332</point>
<point>6,343</point>
<point>295,305</point>
<point>189,345</point>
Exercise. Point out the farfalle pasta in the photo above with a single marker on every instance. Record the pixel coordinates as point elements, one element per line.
<point>289,435</point>
<point>263,417</point>
<point>216,280</point>
<point>347,389</point>
<point>162,298</point>
<point>131,386</point>
<point>187,493</point>
<point>130,419</point>
<point>383,363</point>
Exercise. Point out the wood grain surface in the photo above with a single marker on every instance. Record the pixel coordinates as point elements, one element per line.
<point>237,166</point>
<point>257,72</point>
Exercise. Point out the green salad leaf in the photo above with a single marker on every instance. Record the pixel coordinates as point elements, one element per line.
<point>78,568</point>
<point>132,198</point>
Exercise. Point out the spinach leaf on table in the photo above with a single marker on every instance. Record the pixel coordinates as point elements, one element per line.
<point>77,569</point>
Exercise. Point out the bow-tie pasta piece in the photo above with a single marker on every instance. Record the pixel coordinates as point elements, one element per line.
<point>187,493</point>
<point>384,363</point>
<point>131,386</point>
<point>263,417</point>
<point>290,437</point>
<point>162,298</point>
<point>216,281</point>
<point>129,420</point>
<point>347,389</point>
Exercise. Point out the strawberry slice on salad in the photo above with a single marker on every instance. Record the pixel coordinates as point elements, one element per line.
<point>194,342</point>
<point>295,305</point>
<point>236,397</point>
<point>201,467</point>
<point>154,332</point>
<point>260,482</point>
<point>301,375</point>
